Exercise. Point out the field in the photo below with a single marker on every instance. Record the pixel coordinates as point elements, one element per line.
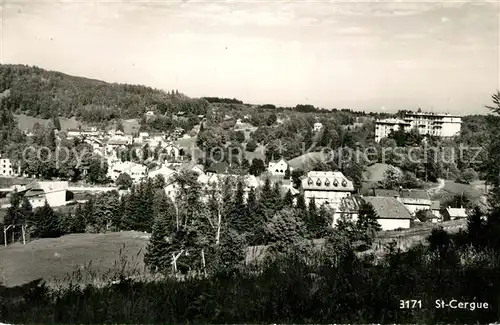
<point>96,256</point>
<point>55,259</point>
<point>472,191</point>
<point>26,122</point>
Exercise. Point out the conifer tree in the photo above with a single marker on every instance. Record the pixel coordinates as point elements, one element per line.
<point>156,257</point>
<point>278,200</point>
<point>367,224</point>
<point>57,123</point>
<point>476,227</point>
<point>46,223</point>
<point>301,203</point>
<point>237,215</point>
<point>312,215</point>
<point>77,221</point>
<point>288,199</point>
<point>26,209</point>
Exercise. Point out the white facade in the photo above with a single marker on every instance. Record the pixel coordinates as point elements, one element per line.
<point>392,224</point>
<point>415,205</point>
<point>172,151</point>
<point>6,168</point>
<point>164,171</point>
<point>327,187</point>
<point>441,125</point>
<point>278,167</point>
<point>384,127</point>
<point>317,127</point>
<point>136,171</point>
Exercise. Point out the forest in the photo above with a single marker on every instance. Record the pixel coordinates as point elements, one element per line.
<point>45,94</point>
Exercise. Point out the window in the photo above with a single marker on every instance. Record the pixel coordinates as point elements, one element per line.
<point>318,182</point>
<point>335,183</point>
<point>327,183</point>
<point>344,183</point>
<point>310,182</point>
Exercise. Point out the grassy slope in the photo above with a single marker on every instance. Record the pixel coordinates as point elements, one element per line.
<point>55,259</point>
<point>26,122</point>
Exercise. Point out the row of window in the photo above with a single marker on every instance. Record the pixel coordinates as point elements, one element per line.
<point>327,182</point>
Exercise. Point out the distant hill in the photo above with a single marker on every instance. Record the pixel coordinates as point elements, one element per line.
<point>41,93</point>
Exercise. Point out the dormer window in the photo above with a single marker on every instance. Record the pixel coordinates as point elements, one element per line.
<point>335,183</point>
<point>344,183</point>
<point>318,182</point>
<point>310,182</point>
<point>327,182</point>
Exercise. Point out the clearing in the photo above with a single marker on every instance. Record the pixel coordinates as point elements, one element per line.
<point>54,259</point>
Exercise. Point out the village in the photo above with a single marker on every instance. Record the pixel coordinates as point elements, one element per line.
<point>395,208</point>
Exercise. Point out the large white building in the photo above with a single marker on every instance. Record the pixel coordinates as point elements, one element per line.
<point>435,124</point>
<point>441,125</point>
<point>327,187</point>
<point>384,127</point>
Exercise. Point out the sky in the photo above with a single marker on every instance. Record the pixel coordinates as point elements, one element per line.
<point>366,55</point>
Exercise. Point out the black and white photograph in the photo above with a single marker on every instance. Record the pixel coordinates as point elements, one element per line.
<point>249,162</point>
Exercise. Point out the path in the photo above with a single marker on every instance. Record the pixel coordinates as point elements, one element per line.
<point>436,189</point>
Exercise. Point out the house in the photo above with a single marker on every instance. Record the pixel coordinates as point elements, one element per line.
<point>6,168</point>
<point>327,187</point>
<point>414,200</point>
<point>166,172</point>
<point>54,192</point>
<point>171,188</point>
<point>218,168</point>
<point>391,213</point>
<point>348,208</point>
<point>172,151</point>
<point>436,211</point>
<point>192,166</point>
<point>317,127</point>
<point>249,181</point>
<point>136,171</point>
<point>384,127</point>
<point>456,213</point>
<point>278,167</point>
<point>150,113</point>
<point>114,145</point>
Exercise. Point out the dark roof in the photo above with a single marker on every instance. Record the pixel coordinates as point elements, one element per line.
<point>405,194</point>
<point>218,168</point>
<point>415,194</point>
<point>385,193</point>
<point>388,207</point>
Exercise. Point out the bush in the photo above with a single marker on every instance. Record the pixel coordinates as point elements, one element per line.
<point>251,146</point>
<point>467,176</point>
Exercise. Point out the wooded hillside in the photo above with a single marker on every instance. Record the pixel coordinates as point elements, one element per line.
<point>42,93</point>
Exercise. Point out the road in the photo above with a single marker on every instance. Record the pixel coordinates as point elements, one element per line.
<point>436,189</point>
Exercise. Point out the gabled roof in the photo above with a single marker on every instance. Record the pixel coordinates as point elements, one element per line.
<point>404,194</point>
<point>218,168</point>
<point>327,181</point>
<point>388,207</point>
<point>275,161</point>
<point>415,194</point>
<point>165,171</point>
<point>435,205</point>
<point>457,212</point>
